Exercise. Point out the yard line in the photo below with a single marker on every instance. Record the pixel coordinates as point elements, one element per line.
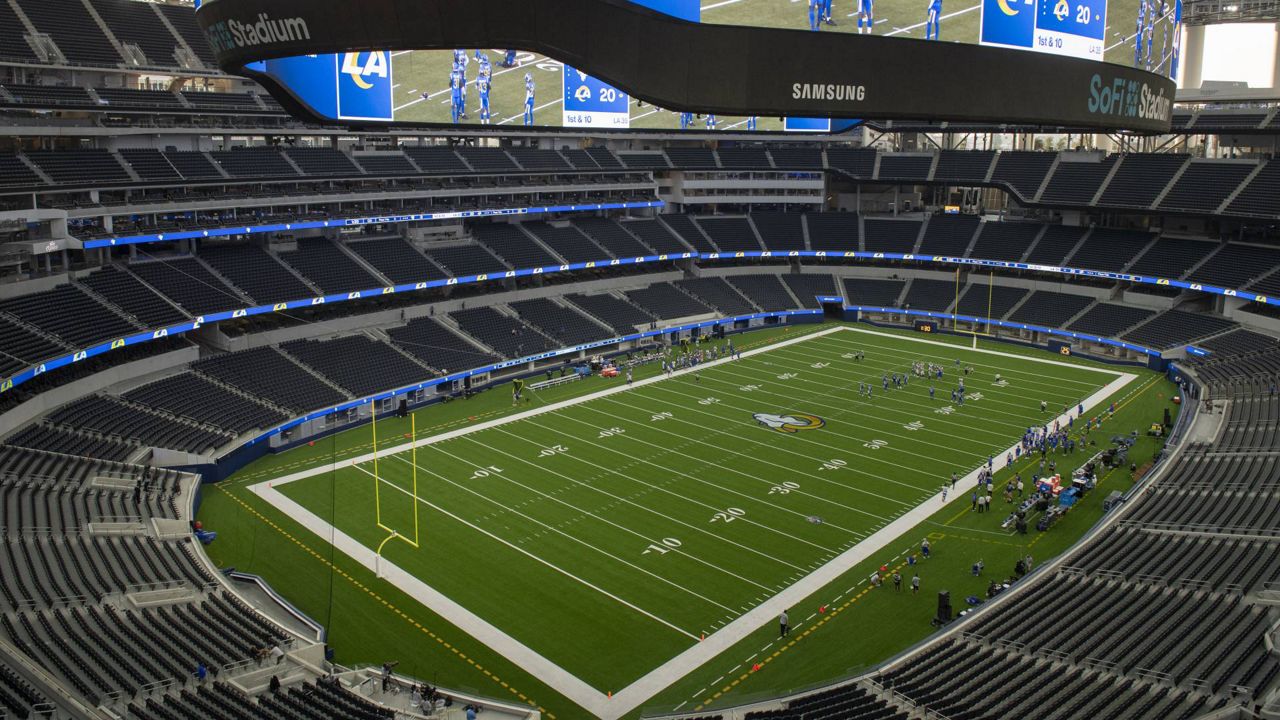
<point>557,531</point>
<point>1127,38</point>
<point>663,468</point>
<point>839,411</point>
<point>1025,378</point>
<point>1003,369</point>
<point>948,16</point>
<point>799,437</point>
<point>679,551</point>
<point>1018,385</point>
<point>848,417</point>
<point>522,551</point>
<point>645,114</point>
<point>557,101</point>
<point>738,437</point>
<point>856,534</point>
<point>1018,425</point>
<point>699,503</point>
<point>801,335</point>
<point>536,59</point>
<point>989,394</point>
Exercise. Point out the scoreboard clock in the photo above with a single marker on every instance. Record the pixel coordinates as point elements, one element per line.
<point>1074,28</point>
<point>589,102</point>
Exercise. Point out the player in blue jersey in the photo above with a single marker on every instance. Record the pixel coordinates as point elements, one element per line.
<point>826,12</point>
<point>712,121</point>
<point>456,101</point>
<point>1138,32</point>
<point>529,88</point>
<point>815,14</point>
<point>461,60</point>
<point>509,60</point>
<point>1167,17</point>
<point>482,87</point>
<point>866,16</point>
<point>1151,29</point>
<point>933,24</point>
<point>484,68</point>
<point>751,123</point>
<point>686,119</point>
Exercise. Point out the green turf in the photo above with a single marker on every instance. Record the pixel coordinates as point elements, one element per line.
<point>905,19</point>
<point>593,510</point>
<point>869,626</point>
<point>427,71</point>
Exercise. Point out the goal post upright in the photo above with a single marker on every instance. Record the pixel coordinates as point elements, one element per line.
<point>377,482</point>
<point>377,479</point>
<point>413,461</point>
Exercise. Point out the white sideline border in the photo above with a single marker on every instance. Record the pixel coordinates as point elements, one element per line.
<point>657,679</point>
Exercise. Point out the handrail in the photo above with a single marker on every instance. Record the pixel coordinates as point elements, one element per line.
<point>157,585</point>
<point>187,326</point>
<point>1199,528</point>
<point>517,363</point>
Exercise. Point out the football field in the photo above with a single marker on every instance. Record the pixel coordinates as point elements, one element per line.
<point>672,517</point>
<point>427,71</point>
<point>961,20</point>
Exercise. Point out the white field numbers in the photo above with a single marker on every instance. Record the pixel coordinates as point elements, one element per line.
<point>784,488</point>
<point>485,472</point>
<point>610,432</point>
<point>709,401</point>
<point>875,444</point>
<point>663,547</point>
<point>835,464</point>
<point>553,450</point>
<point>658,417</point>
<point>728,515</point>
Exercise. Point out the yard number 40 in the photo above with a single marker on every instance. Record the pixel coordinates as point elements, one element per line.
<point>663,547</point>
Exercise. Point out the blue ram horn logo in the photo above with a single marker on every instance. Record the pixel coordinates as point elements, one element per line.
<point>790,423</point>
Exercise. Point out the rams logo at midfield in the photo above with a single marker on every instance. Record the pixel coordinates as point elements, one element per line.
<point>790,423</point>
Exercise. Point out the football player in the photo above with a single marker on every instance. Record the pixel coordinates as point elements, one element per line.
<point>933,23</point>
<point>528,99</point>
<point>865,15</point>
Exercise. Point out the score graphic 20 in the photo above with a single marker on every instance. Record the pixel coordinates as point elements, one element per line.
<point>1074,28</point>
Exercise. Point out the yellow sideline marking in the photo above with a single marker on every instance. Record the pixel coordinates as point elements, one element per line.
<point>832,612</point>
<point>1031,463</point>
<point>829,615</point>
<point>371,593</point>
